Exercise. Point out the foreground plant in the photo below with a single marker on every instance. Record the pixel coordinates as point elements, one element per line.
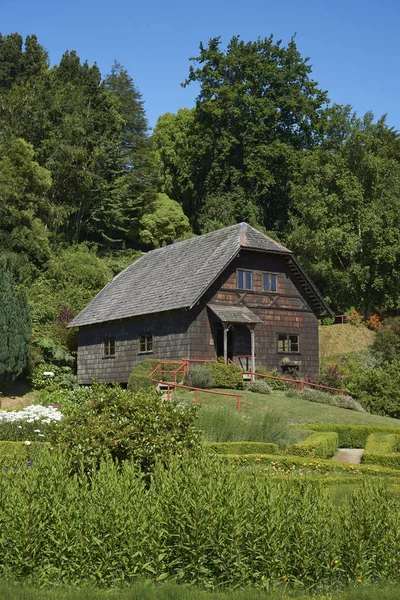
<point>34,422</point>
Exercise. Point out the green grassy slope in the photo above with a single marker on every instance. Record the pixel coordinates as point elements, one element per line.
<point>342,339</point>
<point>296,410</point>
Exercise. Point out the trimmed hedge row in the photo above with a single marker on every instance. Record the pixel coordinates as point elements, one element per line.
<point>15,452</point>
<point>351,436</point>
<point>321,445</point>
<point>321,466</point>
<point>381,449</point>
<point>242,448</point>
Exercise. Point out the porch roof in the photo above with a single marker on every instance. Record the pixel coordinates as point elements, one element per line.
<point>234,314</point>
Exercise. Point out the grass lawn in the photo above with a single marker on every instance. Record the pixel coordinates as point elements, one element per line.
<point>342,339</point>
<point>295,410</point>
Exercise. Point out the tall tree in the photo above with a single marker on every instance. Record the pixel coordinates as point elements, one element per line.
<point>346,215</point>
<point>15,327</point>
<point>138,178</point>
<point>258,109</point>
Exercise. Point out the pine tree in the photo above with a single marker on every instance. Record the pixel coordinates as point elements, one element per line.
<point>15,327</point>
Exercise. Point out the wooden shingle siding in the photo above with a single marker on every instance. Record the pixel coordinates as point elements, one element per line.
<point>170,342</point>
<point>290,314</point>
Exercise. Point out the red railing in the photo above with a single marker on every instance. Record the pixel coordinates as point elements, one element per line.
<point>174,385</point>
<point>300,382</point>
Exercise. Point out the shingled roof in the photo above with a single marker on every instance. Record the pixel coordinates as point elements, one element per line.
<point>173,277</point>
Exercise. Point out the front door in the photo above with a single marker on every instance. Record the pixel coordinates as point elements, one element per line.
<point>220,342</point>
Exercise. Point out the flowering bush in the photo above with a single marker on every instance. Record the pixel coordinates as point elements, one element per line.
<point>374,322</point>
<point>354,317</point>
<point>33,423</point>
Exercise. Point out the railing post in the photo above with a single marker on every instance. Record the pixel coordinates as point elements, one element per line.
<point>197,396</point>
<point>301,386</point>
<point>168,392</point>
<point>251,377</point>
<point>238,404</point>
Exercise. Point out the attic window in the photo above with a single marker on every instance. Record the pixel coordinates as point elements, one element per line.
<point>288,343</point>
<point>146,343</point>
<point>108,348</point>
<point>270,282</point>
<point>245,280</point>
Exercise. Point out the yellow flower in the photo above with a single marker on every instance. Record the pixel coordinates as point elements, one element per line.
<point>284,577</point>
<point>335,562</point>
<point>359,580</point>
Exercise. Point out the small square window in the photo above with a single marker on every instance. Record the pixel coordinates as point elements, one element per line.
<point>270,282</point>
<point>288,343</point>
<point>146,343</point>
<point>109,348</point>
<point>245,280</point>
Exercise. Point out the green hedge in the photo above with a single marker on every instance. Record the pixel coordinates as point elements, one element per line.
<point>321,445</point>
<point>317,466</point>
<point>381,449</point>
<point>242,448</point>
<point>351,436</point>
<point>15,452</point>
<point>227,376</point>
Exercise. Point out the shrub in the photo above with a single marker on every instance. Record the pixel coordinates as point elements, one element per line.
<point>200,377</point>
<point>321,445</point>
<point>61,378</point>
<point>227,376</point>
<point>242,447</point>
<point>139,378</point>
<point>125,425</point>
<point>259,386</point>
<point>354,318</point>
<point>17,453</point>
<point>387,340</point>
<point>69,400</point>
<point>321,397</point>
<point>351,436</point>
<point>382,449</point>
<point>377,389</point>
<point>274,384</point>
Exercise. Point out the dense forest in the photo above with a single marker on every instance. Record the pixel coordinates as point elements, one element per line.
<point>85,186</point>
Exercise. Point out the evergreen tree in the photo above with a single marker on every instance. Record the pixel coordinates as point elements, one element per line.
<point>15,327</point>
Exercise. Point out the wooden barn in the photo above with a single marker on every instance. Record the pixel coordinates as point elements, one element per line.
<point>234,293</point>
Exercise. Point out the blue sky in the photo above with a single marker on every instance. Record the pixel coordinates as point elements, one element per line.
<point>353,45</point>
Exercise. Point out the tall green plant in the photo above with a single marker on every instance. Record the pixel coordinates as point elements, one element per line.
<point>15,327</point>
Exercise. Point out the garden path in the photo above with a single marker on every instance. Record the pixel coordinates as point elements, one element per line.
<point>349,455</point>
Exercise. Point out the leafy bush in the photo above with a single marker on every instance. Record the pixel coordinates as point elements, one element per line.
<point>377,389</point>
<point>242,447</point>
<point>321,397</point>
<point>354,317</point>
<point>274,384</point>
<point>321,445</point>
<point>259,386</point>
<point>227,376</point>
<point>61,378</point>
<point>123,425</point>
<point>387,340</point>
<point>200,377</point>
<point>69,400</point>
<point>351,436</point>
<point>139,378</point>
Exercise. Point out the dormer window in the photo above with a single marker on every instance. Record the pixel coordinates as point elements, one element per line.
<point>245,280</point>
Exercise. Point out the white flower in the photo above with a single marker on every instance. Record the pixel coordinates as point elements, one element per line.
<point>27,442</point>
<point>36,430</point>
<point>41,435</point>
<point>48,373</point>
<point>19,426</point>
